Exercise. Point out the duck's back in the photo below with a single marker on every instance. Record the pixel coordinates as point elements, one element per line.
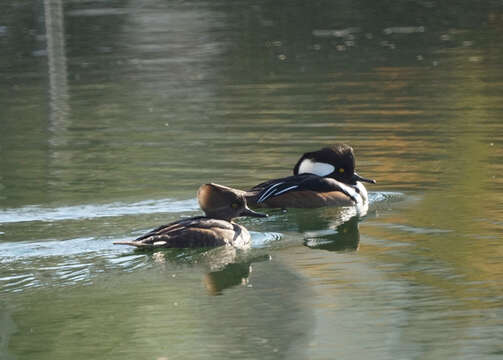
<point>300,191</point>
<point>193,233</point>
<point>302,199</point>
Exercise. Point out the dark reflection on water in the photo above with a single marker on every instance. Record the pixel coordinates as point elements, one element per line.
<point>346,237</point>
<point>113,113</point>
<point>226,267</point>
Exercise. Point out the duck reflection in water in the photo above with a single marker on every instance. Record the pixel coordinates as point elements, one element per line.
<point>346,237</point>
<point>232,274</point>
<point>333,229</point>
<point>225,267</point>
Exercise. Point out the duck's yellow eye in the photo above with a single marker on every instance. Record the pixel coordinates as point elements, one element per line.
<point>341,170</point>
<point>235,205</point>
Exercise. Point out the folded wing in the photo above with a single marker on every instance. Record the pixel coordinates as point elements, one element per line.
<point>301,182</point>
<point>186,233</point>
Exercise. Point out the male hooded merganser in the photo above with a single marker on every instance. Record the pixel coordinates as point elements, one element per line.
<point>325,177</point>
<point>220,204</point>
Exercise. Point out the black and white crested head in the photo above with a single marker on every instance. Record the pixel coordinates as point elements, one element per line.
<point>336,161</point>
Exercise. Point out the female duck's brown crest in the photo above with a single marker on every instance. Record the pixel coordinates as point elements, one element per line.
<point>222,202</point>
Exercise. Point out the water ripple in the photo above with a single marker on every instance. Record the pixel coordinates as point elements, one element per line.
<point>262,239</point>
<point>39,213</point>
<point>410,229</point>
<point>375,197</point>
<point>12,251</point>
<point>57,267</point>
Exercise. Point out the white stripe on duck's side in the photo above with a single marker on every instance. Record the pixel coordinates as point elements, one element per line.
<point>266,193</point>
<point>351,191</point>
<point>308,166</point>
<point>285,190</point>
<point>357,192</point>
<point>362,191</point>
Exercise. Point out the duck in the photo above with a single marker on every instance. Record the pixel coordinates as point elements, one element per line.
<point>324,177</point>
<point>221,205</point>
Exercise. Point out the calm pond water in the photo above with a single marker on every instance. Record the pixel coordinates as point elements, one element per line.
<point>114,112</point>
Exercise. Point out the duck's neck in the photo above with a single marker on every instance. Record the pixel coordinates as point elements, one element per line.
<point>218,216</point>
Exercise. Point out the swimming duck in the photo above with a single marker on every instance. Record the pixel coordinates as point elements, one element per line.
<point>221,204</point>
<point>325,177</point>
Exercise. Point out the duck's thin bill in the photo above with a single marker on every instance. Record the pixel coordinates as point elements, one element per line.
<point>357,177</point>
<point>249,212</point>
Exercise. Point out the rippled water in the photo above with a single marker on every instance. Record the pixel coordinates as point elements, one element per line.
<point>113,113</point>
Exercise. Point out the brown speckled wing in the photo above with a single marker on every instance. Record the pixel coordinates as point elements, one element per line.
<point>194,232</point>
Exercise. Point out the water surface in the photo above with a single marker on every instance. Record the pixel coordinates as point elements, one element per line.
<point>113,113</point>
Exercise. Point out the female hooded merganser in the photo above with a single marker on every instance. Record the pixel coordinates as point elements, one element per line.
<point>325,177</point>
<point>220,204</point>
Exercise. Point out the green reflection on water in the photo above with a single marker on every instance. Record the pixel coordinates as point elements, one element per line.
<point>143,103</point>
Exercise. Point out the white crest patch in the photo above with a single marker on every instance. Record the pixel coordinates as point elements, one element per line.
<point>308,166</point>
